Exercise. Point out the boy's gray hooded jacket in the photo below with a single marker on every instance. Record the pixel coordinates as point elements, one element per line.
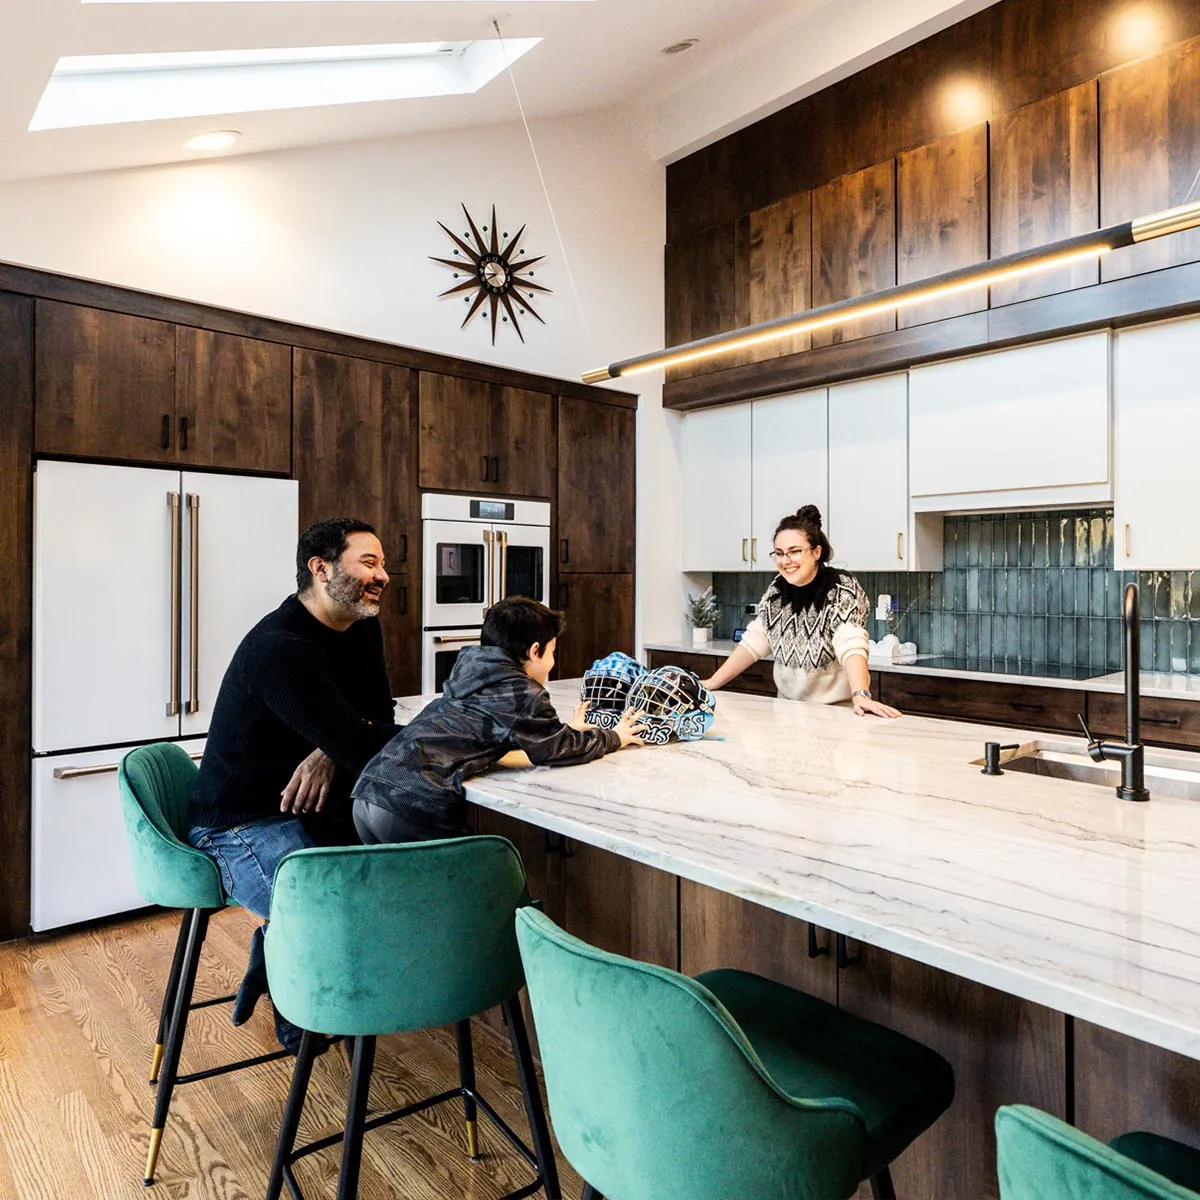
<point>488,707</point>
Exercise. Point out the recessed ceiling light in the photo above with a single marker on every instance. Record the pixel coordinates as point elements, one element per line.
<point>680,47</point>
<point>219,139</point>
<point>107,89</point>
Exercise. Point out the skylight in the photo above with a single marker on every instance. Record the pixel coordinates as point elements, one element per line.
<point>106,89</point>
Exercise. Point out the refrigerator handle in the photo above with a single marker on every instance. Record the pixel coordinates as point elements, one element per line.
<point>488,538</point>
<point>193,703</point>
<point>502,538</point>
<point>176,598</point>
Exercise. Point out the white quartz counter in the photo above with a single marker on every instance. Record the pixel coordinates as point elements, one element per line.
<point>1178,687</point>
<point>886,831</point>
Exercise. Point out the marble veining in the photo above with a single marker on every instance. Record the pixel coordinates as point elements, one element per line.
<point>1051,890</point>
<point>1177,687</point>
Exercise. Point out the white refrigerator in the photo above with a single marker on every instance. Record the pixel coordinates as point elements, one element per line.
<point>145,581</point>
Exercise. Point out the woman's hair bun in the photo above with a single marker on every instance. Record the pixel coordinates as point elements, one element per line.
<point>810,514</point>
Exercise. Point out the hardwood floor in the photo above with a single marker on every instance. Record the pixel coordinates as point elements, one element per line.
<point>78,1013</point>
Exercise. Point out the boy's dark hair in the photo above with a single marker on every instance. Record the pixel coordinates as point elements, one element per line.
<point>516,622</point>
<point>327,540</point>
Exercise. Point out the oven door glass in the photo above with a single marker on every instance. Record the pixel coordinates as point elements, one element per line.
<point>460,572</point>
<point>525,572</point>
<point>443,664</point>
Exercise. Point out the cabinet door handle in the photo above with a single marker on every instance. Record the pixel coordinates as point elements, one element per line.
<point>564,550</point>
<point>564,595</point>
<point>815,951</point>
<point>166,431</point>
<point>103,768</point>
<point>900,546</point>
<point>844,958</point>
<point>193,702</point>
<point>495,468</point>
<point>753,549</point>
<point>173,499</point>
<point>1027,707</point>
<point>922,696</point>
<point>1125,539</point>
<point>745,543</point>
<point>1170,722</point>
<point>404,547</point>
<point>183,433</point>
<point>484,473</point>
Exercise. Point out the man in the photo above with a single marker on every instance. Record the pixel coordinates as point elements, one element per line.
<point>304,704</point>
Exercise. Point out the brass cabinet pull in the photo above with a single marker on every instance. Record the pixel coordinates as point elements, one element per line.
<point>900,546</point>
<point>173,499</point>
<point>753,549</point>
<point>745,543</point>
<point>193,703</point>
<point>1125,539</point>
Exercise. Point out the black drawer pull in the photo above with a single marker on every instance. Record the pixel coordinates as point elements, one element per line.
<point>484,459</point>
<point>844,959</point>
<point>925,696</point>
<point>564,554</point>
<point>1028,707</point>
<point>1170,722</point>
<point>815,951</point>
<point>183,433</point>
<point>495,468</point>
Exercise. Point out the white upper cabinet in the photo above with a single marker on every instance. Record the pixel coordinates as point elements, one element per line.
<point>1156,402</point>
<point>1013,428</point>
<point>716,489</point>
<point>789,465</point>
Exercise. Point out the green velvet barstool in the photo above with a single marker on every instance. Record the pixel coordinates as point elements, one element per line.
<point>663,1087</point>
<point>370,940</point>
<point>1042,1158</point>
<point>155,783</point>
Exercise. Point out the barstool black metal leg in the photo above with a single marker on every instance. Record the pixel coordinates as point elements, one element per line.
<point>590,1193</point>
<point>356,1115</point>
<point>881,1186</point>
<point>164,1017</point>
<point>292,1112</point>
<point>466,1076</point>
<point>531,1094</point>
<point>198,927</point>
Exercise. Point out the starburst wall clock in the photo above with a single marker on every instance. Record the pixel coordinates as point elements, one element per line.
<point>496,269</point>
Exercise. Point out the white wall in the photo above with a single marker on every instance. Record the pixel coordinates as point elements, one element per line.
<point>339,237</point>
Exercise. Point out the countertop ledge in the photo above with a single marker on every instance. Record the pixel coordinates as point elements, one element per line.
<point>1051,890</point>
<point>1164,686</point>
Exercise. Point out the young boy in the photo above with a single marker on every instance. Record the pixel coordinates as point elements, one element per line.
<point>494,701</point>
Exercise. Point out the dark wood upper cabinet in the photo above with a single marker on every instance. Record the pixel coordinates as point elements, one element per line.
<point>233,405</point>
<point>599,615</point>
<point>854,246</point>
<point>455,435</point>
<point>521,442</point>
<point>105,384</point>
<point>1045,185</point>
<point>703,277</point>
<point>597,478</point>
<point>780,268</point>
<point>355,457</point>
<point>1150,153</point>
<point>942,219</point>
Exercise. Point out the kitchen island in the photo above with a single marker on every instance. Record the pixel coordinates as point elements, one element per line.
<point>1051,895</point>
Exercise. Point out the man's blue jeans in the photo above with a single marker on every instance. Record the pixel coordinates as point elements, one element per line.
<point>248,854</point>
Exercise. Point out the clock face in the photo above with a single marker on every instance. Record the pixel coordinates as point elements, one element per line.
<point>497,270</point>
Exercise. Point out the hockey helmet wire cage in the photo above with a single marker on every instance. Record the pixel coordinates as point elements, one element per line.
<point>672,701</point>
<point>606,685</point>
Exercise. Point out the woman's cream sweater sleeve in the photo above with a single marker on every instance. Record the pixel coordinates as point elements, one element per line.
<point>849,640</point>
<point>755,640</point>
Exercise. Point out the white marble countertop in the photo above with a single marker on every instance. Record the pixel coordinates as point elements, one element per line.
<point>1051,890</point>
<point>1178,687</point>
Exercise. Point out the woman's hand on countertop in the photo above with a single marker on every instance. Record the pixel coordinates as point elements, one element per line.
<point>864,705</point>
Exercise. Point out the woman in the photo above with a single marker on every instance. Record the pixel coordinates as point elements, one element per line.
<point>813,618</point>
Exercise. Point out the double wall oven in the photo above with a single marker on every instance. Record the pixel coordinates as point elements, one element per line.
<point>475,551</point>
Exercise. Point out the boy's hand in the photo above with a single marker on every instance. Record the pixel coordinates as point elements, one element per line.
<point>579,716</point>
<point>629,728</point>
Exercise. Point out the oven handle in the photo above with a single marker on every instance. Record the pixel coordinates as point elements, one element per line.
<point>440,639</point>
<point>488,538</point>
<point>502,539</point>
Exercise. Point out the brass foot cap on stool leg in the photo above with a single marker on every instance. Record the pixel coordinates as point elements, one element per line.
<point>158,1057</point>
<point>152,1156</point>
<point>472,1140</point>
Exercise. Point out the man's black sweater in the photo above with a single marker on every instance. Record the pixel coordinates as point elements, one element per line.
<point>293,685</point>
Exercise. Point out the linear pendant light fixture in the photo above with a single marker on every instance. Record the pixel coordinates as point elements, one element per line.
<point>996,270</point>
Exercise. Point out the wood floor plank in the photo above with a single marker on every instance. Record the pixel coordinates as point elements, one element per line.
<point>78,1014</point>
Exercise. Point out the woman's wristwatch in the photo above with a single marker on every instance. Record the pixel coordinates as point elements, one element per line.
<point>866,692</point>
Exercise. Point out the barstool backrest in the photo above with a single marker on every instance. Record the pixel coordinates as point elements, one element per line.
<point>1043,1158</point>
<point>155,783</point>
<point>655,1093</point>
<point>382,939</point>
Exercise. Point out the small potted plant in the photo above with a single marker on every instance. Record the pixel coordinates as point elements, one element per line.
<point>702,613</point>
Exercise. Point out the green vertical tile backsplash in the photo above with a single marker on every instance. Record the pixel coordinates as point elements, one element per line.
<point>1039,587</point>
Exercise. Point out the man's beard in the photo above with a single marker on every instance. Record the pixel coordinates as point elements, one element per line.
<point>351,594</point>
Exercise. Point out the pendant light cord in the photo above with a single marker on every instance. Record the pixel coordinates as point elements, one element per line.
<point>545,190</point>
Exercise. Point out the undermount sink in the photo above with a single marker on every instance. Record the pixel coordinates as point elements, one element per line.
<point>1168,773</point>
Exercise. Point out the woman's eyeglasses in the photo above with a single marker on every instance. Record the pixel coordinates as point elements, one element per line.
<point>795,554</point>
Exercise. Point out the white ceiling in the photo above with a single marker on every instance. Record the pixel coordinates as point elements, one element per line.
<point>596,54</point>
